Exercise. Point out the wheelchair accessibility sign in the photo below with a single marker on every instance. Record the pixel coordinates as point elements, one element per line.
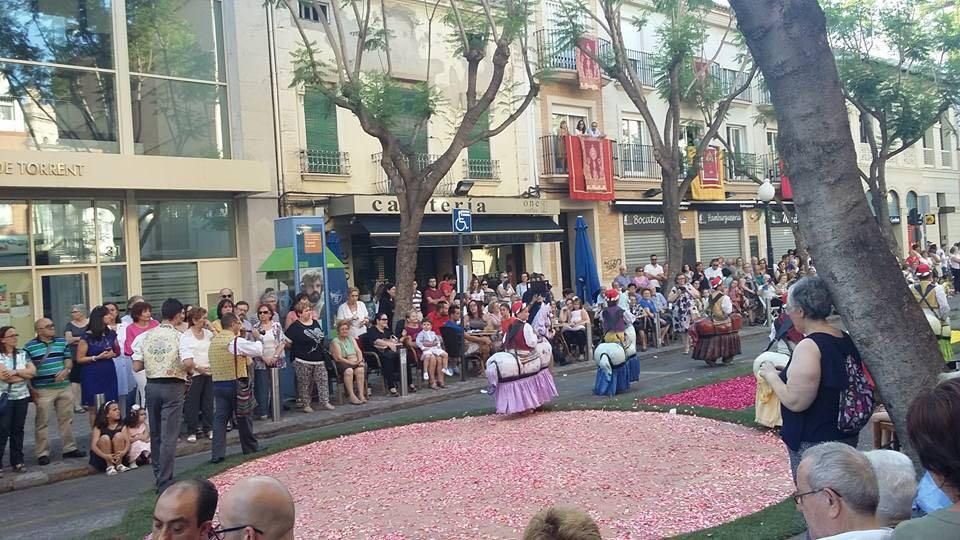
<point>462,221</point>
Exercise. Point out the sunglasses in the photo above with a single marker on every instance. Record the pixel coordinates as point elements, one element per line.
<point>263,312</point>
<point>226,296</point>
<point>382,319</point>
<point>218,533</point>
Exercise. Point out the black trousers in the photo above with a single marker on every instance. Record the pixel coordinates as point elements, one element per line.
<point>390,363</point>
<point>199,402</point>
<point>576,338</point>
<point>956,278</point>
<point>12,419</point>
<point>225,399</point>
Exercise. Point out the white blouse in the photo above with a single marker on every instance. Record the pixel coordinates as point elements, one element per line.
<point>356,318</point>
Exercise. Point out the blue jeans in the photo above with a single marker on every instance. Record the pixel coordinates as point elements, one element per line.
<point>262,390</point>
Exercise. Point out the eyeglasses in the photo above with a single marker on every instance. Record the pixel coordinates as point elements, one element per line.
<point>381,318</point>
<point>798,497</point>
<point>264,312</point>
<point>48,327</point>
<point>8,336</point>
<point>218,533</point>
<point>226,296</point>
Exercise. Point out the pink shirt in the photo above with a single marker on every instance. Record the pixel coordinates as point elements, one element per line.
<point>132,332</point>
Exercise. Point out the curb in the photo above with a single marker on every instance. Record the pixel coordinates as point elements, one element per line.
<point>266,430</point>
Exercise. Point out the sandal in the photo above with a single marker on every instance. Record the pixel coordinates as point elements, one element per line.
<point>413,389</point>
<point>394,392</point>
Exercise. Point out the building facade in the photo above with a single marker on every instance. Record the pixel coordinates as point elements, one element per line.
<point>121,171</point>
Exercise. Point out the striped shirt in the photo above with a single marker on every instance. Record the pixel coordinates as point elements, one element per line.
<point>47,369</point>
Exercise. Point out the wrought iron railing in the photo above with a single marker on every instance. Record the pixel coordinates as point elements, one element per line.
<point>324,162</point>
<point>552,53</point>
<point>481,169</point>
<point>636,161</point>
<point>741,166</point>
<point>730,80</point>
<point>642,63</point>
<point>385,186</point>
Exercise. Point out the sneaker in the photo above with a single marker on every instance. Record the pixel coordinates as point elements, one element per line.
<point>192,438</point>
<point>307,409</point>
<point>122,468</point>
<point>448,372</point>
<point>111,471</point>
<point>328,406</point>
<point>210,435</point>
<point>426,376</point>
<point>133,465</point>
<point>43,460</point>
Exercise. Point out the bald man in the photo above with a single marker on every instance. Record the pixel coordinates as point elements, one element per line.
<point>185,511</point>
<point>257,507</point>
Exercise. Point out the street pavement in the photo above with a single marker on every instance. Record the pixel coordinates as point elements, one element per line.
<point>76,507</point>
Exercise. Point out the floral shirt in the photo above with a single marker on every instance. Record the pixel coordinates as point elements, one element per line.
<point>17,361</point>
<point>159,350</point>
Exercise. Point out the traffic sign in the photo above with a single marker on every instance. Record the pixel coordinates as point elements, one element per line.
<point>930,219</point>
<point>462,221</point>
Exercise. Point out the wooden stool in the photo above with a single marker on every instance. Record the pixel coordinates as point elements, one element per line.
<point>885,436</point>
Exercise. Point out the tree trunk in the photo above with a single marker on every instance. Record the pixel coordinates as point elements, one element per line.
<point>879,198</point>
<point>671,225</point>
<point>408,244</point>
<point>788,41</point>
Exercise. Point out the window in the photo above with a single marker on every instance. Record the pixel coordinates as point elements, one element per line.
<point>864,132</point>
<point>170,280</point>
<point>178,39</point>
<point>67,32</point>
<point>60,233</point>
<point>413,109</point>
<point>113,284</point>
<point>636,159</point>
<point>928,152</point>
<point>176,118</point>
<point>6,109</point>
<point>478,154</point>
<point>65,109</point>
<point>893,203</point>
<point>689,134</point>
<point>310,11</point>
<point>14,234</point>
<point>174,230</point>
<point>320,124</point>
<point>736,139</point>
<point>946,146</point>
<point>771,142</point>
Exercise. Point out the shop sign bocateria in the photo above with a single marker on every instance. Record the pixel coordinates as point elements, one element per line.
<point>385,204</point>
<point>645,221</point>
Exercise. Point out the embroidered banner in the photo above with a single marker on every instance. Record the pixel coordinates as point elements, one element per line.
<point>786,190</point>
<point>590,168</point>
<point>587,70</point>
<point>708,186</point>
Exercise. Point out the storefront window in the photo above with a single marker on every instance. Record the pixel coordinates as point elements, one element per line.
<point>113,284</point>
<point>180,39</point>
<point>71,32</point>
<point>60,234</point>
<point>16,302</point>
<point>109,230</point>
<point>172,280</point>
<point>176,230</point>
<point>63,109</point>
<point>14,230</point>
<point>176,118</point>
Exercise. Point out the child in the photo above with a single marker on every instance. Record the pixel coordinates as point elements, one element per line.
<point>434,357</point>
<point>138,433</point>
<point>108,442</point>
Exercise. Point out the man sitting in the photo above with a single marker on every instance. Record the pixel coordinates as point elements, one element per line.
<point>837,493</point>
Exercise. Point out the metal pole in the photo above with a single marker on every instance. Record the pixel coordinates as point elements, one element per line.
<point>589,352</point>
<point>766,219</point>
<point>275,403</point>
<point>404,383</point>
<point>463,308</point>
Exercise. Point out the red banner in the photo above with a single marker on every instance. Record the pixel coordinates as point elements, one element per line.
<point>710,168</point>
<point>590,168</point>
<point>786,191</point>
<point>587,70</point>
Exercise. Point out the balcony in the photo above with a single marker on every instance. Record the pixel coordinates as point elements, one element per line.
<point>642,63</point>
<point>384,186</point>
<point>729,80</point>
<point>762,93</point>
<point>314,161</point>
<point>553,155</point>
<point>484,170</point>
<point>740,166</point>
<point>552,56</point>
<point>635,161</point>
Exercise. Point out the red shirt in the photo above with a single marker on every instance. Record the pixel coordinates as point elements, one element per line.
<point>446,288</point>
<point>438,320</point>
<point>429,294</point>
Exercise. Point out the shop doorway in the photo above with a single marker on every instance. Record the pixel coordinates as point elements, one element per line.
<point>62,289</point>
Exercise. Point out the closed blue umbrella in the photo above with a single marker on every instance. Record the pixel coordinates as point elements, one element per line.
<point>588,281</point>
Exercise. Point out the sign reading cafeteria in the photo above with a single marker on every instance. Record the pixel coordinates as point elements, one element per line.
<point>385,204</point>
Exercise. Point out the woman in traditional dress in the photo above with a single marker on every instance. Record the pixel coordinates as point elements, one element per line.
<point>519,377</point>
<point>711,345</point>
<point>682,297</point>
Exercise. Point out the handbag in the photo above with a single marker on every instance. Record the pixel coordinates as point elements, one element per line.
<point>246,401</point>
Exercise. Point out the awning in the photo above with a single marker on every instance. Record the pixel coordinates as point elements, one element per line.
<point>281,260</point>
<point>489,230</point>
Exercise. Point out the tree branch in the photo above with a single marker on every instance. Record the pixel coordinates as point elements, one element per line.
<point>386,37</point>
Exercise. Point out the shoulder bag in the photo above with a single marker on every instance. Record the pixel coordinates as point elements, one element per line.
<point>246,402</point>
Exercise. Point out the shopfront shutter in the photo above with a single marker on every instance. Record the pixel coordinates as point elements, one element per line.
<point>781,238</point>
<point>170,280</point>
<point>720,243</point>
<point>320,121</point>
<point>639,245</point>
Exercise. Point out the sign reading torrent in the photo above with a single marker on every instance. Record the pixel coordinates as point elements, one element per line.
<point>36,168</point>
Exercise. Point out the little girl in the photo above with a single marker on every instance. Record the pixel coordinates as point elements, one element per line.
<point>138,433</point>
<point>108,442</point>
<point>434,357</point>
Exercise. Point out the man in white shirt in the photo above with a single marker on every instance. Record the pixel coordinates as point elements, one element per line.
<point>654,273</point>
<point>594,130</point>
<point>713,270</point>
<point>838,494</point>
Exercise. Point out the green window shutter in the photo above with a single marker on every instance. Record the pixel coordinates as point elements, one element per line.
<point>479,153</point>
<point>320,121</point>
<point>406,121</point>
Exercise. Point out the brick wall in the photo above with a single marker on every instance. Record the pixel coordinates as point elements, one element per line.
<point>610,247</point>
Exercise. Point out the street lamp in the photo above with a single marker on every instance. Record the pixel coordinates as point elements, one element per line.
<point>765,194</point>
